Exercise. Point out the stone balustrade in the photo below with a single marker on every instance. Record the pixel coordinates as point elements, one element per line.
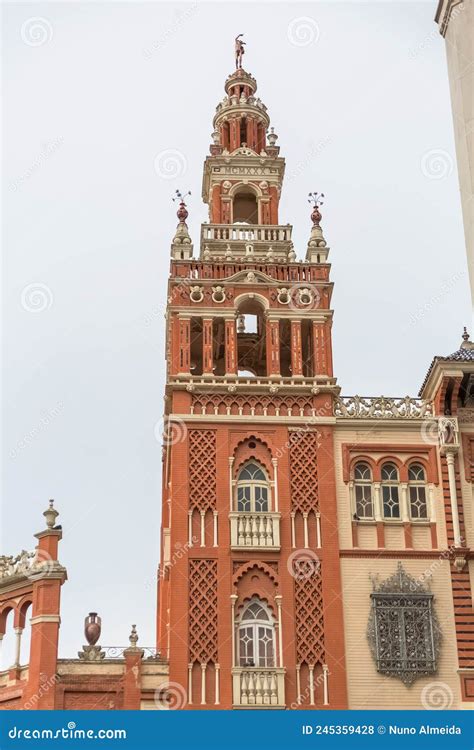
<point>258,687</point>
<point>245,233</point>
<point>254,530</point>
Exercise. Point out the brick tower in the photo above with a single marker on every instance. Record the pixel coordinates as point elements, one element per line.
<point>250,611</point>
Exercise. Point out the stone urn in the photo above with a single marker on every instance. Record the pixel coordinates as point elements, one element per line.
<point>92,628</point>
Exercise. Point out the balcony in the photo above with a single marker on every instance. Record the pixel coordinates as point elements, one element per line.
<point>258,687</point>
<point>244,233</point>
<point>255,531</point>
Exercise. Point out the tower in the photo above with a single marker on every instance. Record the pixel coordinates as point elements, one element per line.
<point>249,610</point>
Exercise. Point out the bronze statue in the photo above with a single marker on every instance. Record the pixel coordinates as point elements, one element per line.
<point>239,51</point>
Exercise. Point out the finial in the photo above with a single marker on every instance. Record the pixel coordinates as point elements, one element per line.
<point>465,334</point>
<point>182,212</point>
<point>239,51</point>
<point>50,515</point>
<point>316,202</point>
<point>133,637</point>
<point>92,628</point>
<point>272,137</point>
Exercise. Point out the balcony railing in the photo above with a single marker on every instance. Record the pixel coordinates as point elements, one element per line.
<point>245,233</point>
<point>255,530</point>
<point>258,687</point>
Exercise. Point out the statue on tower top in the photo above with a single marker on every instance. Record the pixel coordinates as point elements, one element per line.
<point>239,51</point>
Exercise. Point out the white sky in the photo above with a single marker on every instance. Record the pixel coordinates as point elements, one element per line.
<point>363,114</point>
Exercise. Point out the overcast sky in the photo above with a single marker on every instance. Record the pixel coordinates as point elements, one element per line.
<point>93,96</point>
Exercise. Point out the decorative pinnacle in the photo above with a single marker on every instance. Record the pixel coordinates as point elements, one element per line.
<point>133,637</point>
<point>465,334</point>
<point>316,202</point>
<point>50,515</point>
<point>182,212</point>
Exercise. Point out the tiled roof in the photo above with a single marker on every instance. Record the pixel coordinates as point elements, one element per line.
<point>464,354</point>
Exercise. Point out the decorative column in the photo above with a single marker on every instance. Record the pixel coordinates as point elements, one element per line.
<point>273,348</point>
<point>230,347</point>
<point>207,359</point>
<point>190,684</point>
<point>326,684</point>
<point>311,684</point>
<point>432,516</point>
<point>320,354</point>
<point>275,483</point>
<point>184,345</point>
<point>18,632</point>
<point>190,527</point>
<point>278,599</point>
<point>296,349</point>
<point>233,599</point>
<point>318,529</point>
<point>231,484</point>
<point>215,529</point>
<point>379,515</point>
<point>450,456</point>
<point>203,684</point>
<point>305,529</point>
<point>406,515</point>
<point>217,669</point>
<point>353,505</point>
<point>203,528</point>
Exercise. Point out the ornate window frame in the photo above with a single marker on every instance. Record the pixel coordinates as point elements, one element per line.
<point>255,489</point>
<point>417,492</point>
<point>363,491</point>
<point>260,626</point>
<point>390,491</point>
<point>403,630</point>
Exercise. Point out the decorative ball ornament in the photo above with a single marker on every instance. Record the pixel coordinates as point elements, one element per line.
<point>182,212</point>
<point>316,215</point>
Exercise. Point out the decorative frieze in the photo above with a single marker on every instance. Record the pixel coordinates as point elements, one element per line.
<point>382,407</point>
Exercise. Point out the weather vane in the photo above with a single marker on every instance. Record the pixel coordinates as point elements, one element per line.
<point>179,196</point>
<point>239,51</point>
<point>315,199</point>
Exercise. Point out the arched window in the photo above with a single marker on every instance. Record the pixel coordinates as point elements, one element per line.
<point>252,489</point>
<point>364,506</point>
<point>417,492</point>
<point>390,493</point>
<point>256,636</point>
<point>245,208</point>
